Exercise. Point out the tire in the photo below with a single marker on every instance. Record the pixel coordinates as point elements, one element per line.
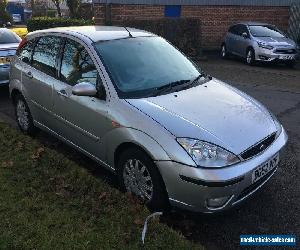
<point>224,53</point>
<point>155,195</point>
<point>250,57</point>
<point>290,64</point>
<point>23,115</point>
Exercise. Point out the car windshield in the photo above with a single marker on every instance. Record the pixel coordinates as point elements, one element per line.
<point>265,31</point>
<point>139,66</point>
<point>7,36</point>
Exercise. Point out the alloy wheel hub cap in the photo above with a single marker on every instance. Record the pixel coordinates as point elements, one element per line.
<point>137,179</point>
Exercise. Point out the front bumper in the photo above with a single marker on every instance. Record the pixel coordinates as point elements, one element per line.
<point>266,55</point>
<point>4,74</point>
<point>234,182</point>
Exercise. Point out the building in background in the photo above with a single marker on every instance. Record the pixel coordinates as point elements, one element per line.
<point>215,15</point>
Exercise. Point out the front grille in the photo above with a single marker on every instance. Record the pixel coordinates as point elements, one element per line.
<point>255,185</point>
<point>259,147</point>
<point>285,51</point>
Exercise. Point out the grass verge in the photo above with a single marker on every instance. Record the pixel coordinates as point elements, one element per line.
<point>48,201</point>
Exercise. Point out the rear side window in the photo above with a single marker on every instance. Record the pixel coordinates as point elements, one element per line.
<point>45,54</point>
<point>25,53</point>
<point>77,65</point>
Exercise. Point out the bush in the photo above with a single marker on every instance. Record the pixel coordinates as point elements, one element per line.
<point>51,13</point>
<point>184,33</point>
<point>40,23</point>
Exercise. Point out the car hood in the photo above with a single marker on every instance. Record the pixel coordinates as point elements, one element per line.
<point>277,41</point>
<point>214,112</point>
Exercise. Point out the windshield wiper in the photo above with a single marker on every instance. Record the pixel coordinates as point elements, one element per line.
<point>168,87</point>
<point>195,81</point>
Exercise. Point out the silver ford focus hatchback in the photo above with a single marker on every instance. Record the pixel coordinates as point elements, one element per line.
<point>126,98</point>
<point>259,42</point>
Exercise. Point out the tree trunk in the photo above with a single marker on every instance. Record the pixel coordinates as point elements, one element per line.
<point>58,9</point>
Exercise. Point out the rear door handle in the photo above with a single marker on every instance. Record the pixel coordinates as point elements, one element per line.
<point>29,74</point>
<point>62,93</point>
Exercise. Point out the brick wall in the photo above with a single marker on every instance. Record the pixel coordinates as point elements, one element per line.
<point>215,19</point>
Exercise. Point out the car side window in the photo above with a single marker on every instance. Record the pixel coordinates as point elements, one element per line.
<point>25,53</point>
<point>77,65</point>
<point>233,29</point>
<point>45,54</point>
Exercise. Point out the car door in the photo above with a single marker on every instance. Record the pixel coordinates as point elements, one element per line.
<point>82,120</point>
<point>231,39</point>
<point>39,74</point>
<point>242,42</point>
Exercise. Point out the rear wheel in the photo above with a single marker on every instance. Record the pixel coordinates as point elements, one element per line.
<point>139,176</point>
<point>23,115</point>
<point>224,53</point>
<point>250,57</point>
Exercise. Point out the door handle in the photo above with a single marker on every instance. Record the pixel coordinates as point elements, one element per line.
<point>62,93</point>
<point>29,74</point>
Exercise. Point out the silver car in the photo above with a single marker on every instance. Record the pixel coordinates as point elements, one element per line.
<point>9,42</point>
<point>259,42</point>
<point>128,99</point>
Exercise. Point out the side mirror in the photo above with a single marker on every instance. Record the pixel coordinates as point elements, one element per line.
<point>84,89</point>
<point>245,35</point>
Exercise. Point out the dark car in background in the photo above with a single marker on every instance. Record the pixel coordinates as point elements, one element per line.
<point>9,41</point>
<point>259,42</point>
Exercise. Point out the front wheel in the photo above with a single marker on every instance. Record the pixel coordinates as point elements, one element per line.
<point>250,57</point>
<point>290,64</point>
<point>139,176</point>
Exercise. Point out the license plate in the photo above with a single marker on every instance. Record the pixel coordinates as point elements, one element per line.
<point>5,60</point>
<point>265,168</point>
<point>286,57</point>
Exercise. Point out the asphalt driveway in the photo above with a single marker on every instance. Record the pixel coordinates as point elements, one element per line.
<point>273,210</point>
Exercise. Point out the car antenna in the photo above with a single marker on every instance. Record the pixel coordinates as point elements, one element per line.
<point>128,31</point>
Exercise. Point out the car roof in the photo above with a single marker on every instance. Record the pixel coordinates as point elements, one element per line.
<point>252,23</point>
<point>96,33</point>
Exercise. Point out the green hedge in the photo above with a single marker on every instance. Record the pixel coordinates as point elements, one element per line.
<point>40,23</point>
<point>184,33</point>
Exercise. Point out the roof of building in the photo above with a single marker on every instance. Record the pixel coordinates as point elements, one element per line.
<point>96,33</point>
<point>202,2</point>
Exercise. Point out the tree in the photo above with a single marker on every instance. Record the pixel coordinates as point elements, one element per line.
<point>4,16</point>
<point>74,7</point>
<point>57,5</point>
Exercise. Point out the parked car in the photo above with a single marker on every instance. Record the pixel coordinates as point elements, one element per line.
<point>132,102</point>
<point>9,42</point>
<point>16,18</point>
<point>259,42</point>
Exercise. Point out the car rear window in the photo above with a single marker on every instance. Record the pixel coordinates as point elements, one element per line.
<point>7,36</point>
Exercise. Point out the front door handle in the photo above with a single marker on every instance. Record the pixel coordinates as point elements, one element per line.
<point>29,74</point>
<point>62,93</point>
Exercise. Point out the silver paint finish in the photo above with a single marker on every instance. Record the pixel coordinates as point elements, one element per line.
<point>239,45</point>
<point>214,112</point>
<point>82,89</point>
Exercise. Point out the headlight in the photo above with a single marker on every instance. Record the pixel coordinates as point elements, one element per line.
<point>206,154</point>
<point>264,45</point>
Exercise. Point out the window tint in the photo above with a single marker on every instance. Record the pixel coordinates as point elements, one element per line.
<point>7,36</point>
<point>77,66</point>
<point>233,29</point>
<point>242,29</point>
<point>25,52</point>
<point>45,54</point>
